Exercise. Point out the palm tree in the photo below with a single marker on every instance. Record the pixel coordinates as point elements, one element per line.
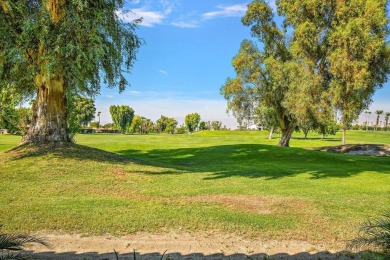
<point>98,114</point>
<point>366,112</point>
<point>387,115</point>
<point>378,113</point>
<point>369,114</point>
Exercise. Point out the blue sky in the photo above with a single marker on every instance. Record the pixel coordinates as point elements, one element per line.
<point>189,45</point>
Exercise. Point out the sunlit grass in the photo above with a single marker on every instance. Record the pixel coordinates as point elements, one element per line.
<point>228,181</point>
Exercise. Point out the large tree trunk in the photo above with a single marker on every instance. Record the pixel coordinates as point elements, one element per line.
<point>271,133</point>
<point>49,122</point>
<point>286,136</point>
<point>287,129</point>
<point>344,136</point>
<point>305,132</point>
<point>344,127</point>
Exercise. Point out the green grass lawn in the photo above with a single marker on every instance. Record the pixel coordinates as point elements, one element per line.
<point>225,181</point>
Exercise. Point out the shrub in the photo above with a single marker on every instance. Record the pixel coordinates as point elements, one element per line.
<point>181,129</point>
<point>94,124</point>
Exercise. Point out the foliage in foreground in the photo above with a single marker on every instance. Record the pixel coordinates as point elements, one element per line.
<point>375,232</point>
<point>15,242</point>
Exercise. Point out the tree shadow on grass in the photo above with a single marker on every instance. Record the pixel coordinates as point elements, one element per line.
<point>177,255</point>
<point>65,150</point>
<point>327,139</point>
<point>222,161</point>
<point>258,161</point>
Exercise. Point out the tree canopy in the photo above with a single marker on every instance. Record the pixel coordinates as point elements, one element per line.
<point>166,125</point>
<point>83,109</point>
<point>8,113</point>
<point>192,121</point>
<point>122,116</point>
<point>344,42</point>
<point>53,49</point>
<point>335,60</point>
<point>271,79</point>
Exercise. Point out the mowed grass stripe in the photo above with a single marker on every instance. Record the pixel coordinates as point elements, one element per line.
<point>230,181</point>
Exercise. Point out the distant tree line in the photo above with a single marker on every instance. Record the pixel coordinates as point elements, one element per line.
<point>127,122</point>
<point>381,122</point>
<point>82,113</point>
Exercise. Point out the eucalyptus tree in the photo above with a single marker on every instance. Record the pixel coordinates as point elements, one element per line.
<point>192,121</point>
<point>240,101</point>
<point>57,48</point>
<point>122,116</point>
<point>216,125</point>
<point>8,113</point>
<point>274,78</point>
<point>344,42</point>
<point>146,126</point>
<point>83,109</point>
<point>135,126</point>
<point>203,126</point>
<point>166,125</point>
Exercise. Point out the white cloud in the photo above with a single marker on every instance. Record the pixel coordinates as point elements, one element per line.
<point>192,21</point>
<point>163,72</point>
<point>227,11</point>
<point>133,92</point>
<point>149,18</point>
<point>186,24</point>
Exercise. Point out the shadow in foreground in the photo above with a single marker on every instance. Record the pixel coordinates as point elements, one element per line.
<point>174,255</point>
<point>65,150</point>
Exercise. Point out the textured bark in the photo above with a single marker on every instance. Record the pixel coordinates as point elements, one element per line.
<point>49,122</point>
<point>344,136</point>
<point>287,129</point>
<point>305,132</point>
<point>271,133</point>
<point>286,136</point>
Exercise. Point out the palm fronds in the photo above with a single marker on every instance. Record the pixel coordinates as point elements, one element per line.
<point>374,232</point>
<point>16,242</point>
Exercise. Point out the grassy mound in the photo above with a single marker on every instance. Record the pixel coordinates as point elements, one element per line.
<point>62,150</point>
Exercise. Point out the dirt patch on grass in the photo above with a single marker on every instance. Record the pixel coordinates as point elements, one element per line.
<point>254,204</point>
<point>177,245</point>
<point>360,149</point>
